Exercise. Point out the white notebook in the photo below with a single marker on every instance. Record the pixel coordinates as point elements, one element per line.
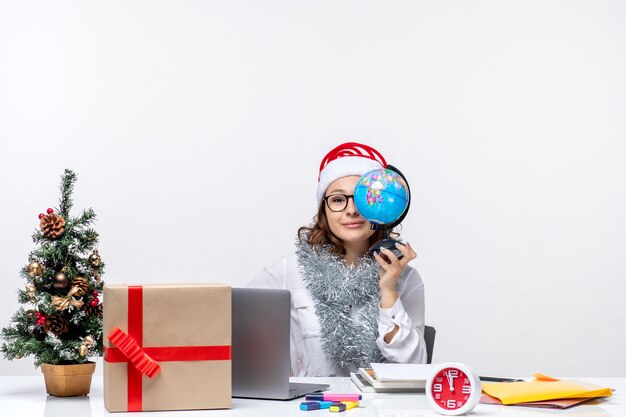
<point>401,372</point>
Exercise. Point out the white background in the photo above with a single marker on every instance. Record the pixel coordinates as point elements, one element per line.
<point>197,127</point>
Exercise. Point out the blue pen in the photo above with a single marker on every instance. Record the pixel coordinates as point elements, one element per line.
<point>315,405</point>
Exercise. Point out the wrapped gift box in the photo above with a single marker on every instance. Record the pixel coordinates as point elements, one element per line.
<point>171,347</point>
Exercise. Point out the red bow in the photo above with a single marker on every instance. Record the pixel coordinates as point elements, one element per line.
<point>135,354</point>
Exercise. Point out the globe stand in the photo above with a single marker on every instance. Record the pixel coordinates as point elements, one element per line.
<point>385,243</point>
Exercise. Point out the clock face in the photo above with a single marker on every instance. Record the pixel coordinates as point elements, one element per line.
<point>451,388</point>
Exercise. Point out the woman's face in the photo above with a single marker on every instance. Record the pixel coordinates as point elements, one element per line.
<point>348,225</point>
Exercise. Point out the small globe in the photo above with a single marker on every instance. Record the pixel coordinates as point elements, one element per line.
<point>381,196</point>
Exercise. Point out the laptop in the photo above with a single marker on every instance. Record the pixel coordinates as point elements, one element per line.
<point>260,346</point>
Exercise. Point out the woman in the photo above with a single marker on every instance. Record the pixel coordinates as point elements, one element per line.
<point>348,309</point>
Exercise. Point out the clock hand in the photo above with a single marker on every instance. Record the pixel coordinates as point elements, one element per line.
<point>450,383</point>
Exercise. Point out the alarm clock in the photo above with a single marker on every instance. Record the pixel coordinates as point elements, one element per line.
<point>453,388</point>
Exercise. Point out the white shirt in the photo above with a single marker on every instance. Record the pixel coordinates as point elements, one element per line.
<point>307,356</point>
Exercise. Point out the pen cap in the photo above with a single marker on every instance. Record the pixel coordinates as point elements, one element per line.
<point>343,405</point>
<point>310,405</point>
<point>315,405</point>
<point>337,407</point>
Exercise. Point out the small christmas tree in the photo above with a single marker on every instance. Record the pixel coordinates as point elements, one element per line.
<point>63,289</point>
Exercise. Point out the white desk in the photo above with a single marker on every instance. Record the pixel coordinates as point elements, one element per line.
<point>25,397</point>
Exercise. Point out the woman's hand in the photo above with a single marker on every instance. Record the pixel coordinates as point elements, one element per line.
<point>390,270</point>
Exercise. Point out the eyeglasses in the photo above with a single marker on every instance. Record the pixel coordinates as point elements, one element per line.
<point>338,202</point>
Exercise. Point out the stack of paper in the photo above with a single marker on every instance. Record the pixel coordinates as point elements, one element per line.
<point>392,377</point>
<point>544,391</point>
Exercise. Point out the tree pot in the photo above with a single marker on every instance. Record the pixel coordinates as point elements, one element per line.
<point>68,380</point>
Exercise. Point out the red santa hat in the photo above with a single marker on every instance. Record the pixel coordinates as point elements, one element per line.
<point>347,159</point>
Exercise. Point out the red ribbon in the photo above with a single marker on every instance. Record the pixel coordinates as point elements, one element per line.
<point>143,360</point>
<point>134,353</point>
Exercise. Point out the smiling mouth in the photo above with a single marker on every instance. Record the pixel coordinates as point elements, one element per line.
<point>354,225</point>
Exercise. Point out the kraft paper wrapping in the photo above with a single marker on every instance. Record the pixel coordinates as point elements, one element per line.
<point>173,315</point>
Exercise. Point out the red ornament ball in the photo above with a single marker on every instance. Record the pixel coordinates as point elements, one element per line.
<point>94,302</point>
<point>95,293</point>
<point>41,215</point>
<point>38,314</point>
<point>50,211</point>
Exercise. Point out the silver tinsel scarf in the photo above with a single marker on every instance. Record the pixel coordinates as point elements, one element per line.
<point>335,287</point>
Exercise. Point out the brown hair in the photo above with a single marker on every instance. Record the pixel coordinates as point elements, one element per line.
<point>318,234</point>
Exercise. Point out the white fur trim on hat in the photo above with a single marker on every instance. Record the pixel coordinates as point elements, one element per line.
<point>343,167</point>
